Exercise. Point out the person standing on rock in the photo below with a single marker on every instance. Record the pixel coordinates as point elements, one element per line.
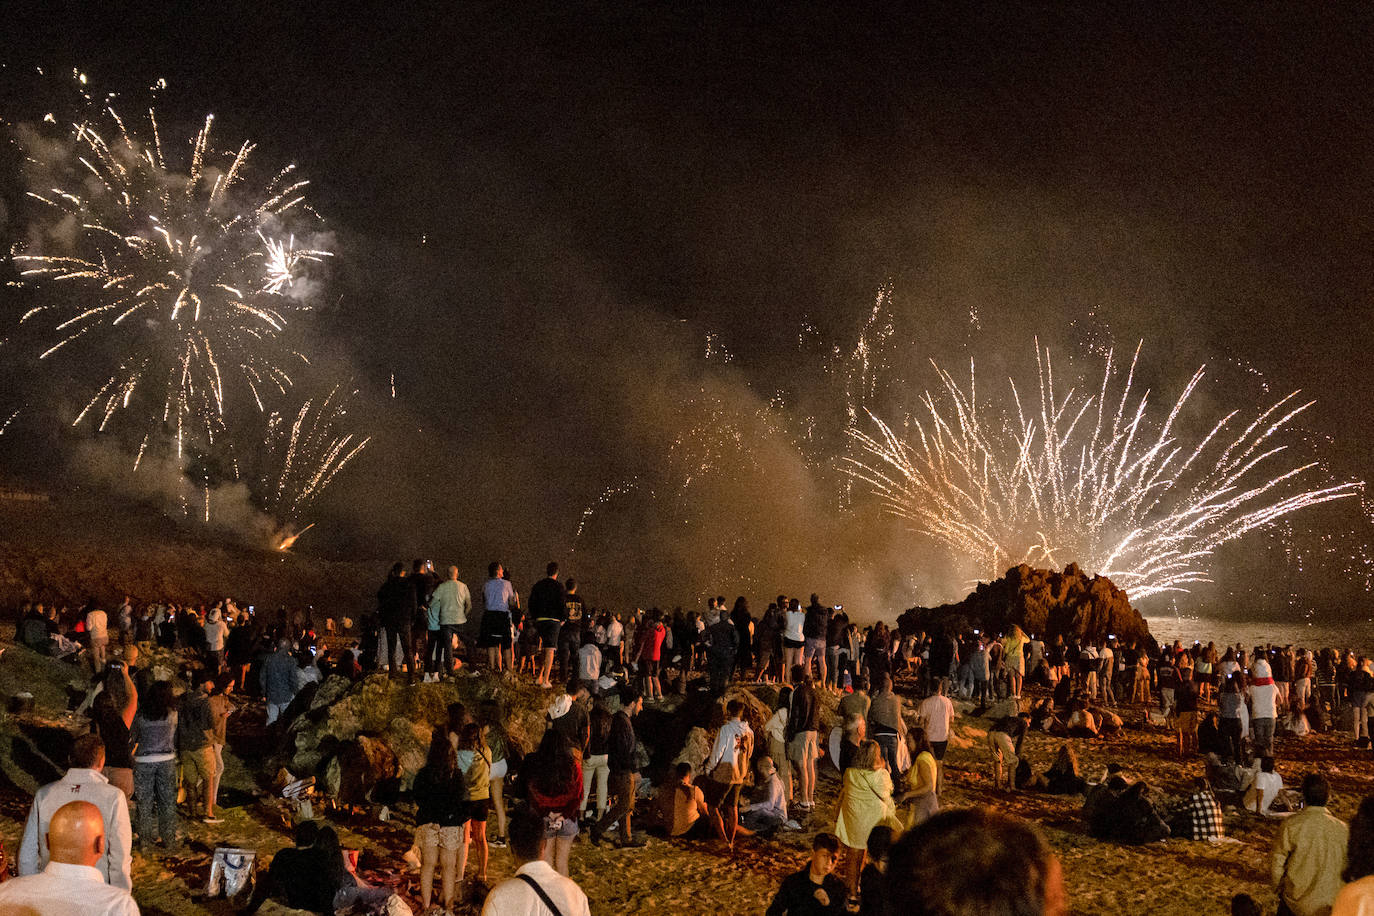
<point>499,601</point>
<point>195,724</point>
<point>814,626</point>
<point>396,609</point>
<point>448,609</point>
<point>803,727</point>
<point>570,633</point>
<point>722,646</point>
<point>547,609</point>
<point>624,774</point>
<point>278,680</point>
<point>98,635</point>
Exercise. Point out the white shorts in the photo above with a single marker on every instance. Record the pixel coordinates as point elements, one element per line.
<point>499,769</point>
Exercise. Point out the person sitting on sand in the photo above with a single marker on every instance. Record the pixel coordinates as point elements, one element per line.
<point>1203,814</point>
<point>974,862</point>
<point>297,876</point>
<point>1264,791</point>
<point>680,806</point>
<point>813,891</point>
<point>1309,853</point>
<point>770,811</point>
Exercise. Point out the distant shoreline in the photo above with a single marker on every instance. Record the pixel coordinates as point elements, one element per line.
<point>1308,634</point>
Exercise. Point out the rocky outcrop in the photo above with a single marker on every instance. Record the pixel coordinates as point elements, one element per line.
<point>353,735</point>
<point>1041,602</point>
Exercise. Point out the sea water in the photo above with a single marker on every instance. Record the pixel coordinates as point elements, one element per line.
<point>1308,634</point>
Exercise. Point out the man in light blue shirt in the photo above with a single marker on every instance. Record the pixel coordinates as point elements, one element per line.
<point>449,607</point>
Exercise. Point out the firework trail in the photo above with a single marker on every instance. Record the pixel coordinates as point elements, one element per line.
<point>171,281</point>
<point>306,453</point>
<point>1086,478</point>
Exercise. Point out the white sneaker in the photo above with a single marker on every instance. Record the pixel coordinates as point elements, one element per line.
<point>791,825</point>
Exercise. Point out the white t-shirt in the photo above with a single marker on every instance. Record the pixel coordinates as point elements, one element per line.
<point>615,632</point>
<point>97,626</point>
<point>1268,786</point>
<point>589,662</point>
<point>513,897</point>
<point>936,712</point>
<point>215,631</point>
<point>61,889</point>
<point>793,628</point>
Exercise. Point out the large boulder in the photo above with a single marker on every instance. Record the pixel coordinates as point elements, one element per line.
<point>399,717</point>
<point>1043,602</point>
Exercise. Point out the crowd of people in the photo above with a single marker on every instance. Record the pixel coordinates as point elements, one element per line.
<point>152,746</point>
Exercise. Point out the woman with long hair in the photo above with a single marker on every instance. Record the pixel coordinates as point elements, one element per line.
<point>441,816</point>
<point>920,779</point>
<point>474,760</point>
<point>1357,897</point>
<point>152,735</point>
<point>351,891</point>
<point>555,789</point>
<point>492,718</point>
<point>1229,704</point>
<point>865,801</point>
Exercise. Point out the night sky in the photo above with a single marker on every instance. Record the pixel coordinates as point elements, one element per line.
<point>542,213</point>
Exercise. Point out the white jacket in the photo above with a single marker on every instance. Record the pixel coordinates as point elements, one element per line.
<point>88,786</point>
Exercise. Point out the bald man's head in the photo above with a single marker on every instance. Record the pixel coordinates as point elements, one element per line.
<point>76,834</point>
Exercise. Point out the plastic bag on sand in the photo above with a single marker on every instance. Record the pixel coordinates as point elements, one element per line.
<point>231,872</point>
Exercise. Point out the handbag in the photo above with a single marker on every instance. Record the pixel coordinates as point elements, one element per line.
<point>231,872</point>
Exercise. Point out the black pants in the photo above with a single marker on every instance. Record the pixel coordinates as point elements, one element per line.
<point>1230,737</point>
<point>439,657</point>
<point>402,635</point>
<point>622,786</point>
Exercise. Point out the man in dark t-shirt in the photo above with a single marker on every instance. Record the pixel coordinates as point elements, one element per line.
<point>570,633</point>
<point>815,890</point>
<point>548,609</point>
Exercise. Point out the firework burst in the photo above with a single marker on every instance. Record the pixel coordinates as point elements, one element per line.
<point>306,452</point>
<point>1086,478</point>
<point>170,276</point>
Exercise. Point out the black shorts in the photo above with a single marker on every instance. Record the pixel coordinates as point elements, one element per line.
<point>648,667</point>
<point>478,809</point>
<point>495,632</point>
<point>548,632</point>
<point>938,748</point>
<point>792,643</point>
